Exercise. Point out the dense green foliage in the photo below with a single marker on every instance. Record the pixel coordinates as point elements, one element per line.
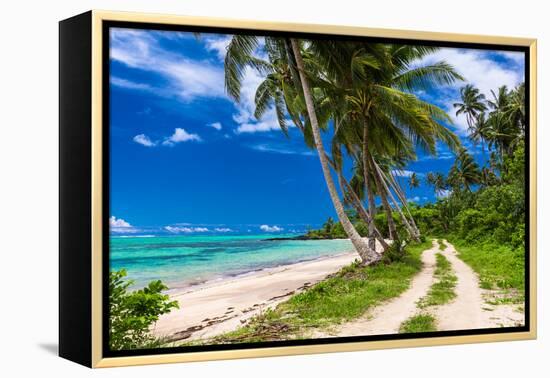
<point>334,230</point>
<point>491,213</point>
<point>344,296</point>
<point>495,211</point>
<point>131,314</point>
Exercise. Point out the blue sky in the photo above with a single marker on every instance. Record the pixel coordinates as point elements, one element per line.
<point>187,159</point>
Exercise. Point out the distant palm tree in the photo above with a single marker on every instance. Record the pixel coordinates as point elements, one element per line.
<point>438,181</point>
<point>480,131</point>
<point>500,100</point>
<point>465,172</point>
<point>414,182</point>
<point>506,121</point>
<point>473,103</point>
<point>515,108</point>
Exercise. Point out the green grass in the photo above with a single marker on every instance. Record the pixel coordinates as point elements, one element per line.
<point>442,245</point>
<point>498,266</point>
<point>418,323</point>
<point>442,291</point>
<point>344,296</point>
<point>512,297</point>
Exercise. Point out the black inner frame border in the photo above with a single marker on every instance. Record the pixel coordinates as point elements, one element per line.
<point>106,25</point>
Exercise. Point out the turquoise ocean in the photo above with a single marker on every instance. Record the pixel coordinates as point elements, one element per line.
<point>183,260</point>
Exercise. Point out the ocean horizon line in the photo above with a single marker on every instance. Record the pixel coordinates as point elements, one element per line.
<point>204,234</point>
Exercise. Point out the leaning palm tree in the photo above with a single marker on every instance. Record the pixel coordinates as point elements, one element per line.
<point>353,193</point>
<point>374,79</point>
<point>370,86</point>
<point>362,248</point>
<point>289,84</point>
<point>473,103</point>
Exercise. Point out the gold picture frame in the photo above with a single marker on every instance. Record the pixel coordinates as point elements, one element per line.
<point>96,18</point>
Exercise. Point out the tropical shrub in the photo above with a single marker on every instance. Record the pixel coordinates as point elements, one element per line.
<point>131,314</point>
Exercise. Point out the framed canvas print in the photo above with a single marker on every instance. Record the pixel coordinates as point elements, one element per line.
<point>235,189</point>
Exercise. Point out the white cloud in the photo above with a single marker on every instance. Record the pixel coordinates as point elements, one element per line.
<point>478,69</point>
<point>180,135</point>
<point>280,150</point>
<point>459,121</point>
<point>215,125</point>
<point>257,127</point>
<point>515,56</point>
<point>218,45</point>
<point>188,78</point>
<point>244,116</point>
<point>123,83</point>
<point>118,222</point>
<point>144,140</point>
<point>223,229</point>
<point>414,199</point>
<point>445,155</point>
<point>267,228</point>
<point>444,193</point>
<point>404,173</point>
<point>440,156</point>
<point>119,225</point>
<point>186,230</point>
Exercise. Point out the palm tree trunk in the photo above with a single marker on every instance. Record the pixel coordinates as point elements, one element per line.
<point>345,187</point>
<point>410,229</point>
<point>382,191</point>
<point>385,189</point>
<point>403,200</point>
<point>368,255</point>
<point>368,186</point>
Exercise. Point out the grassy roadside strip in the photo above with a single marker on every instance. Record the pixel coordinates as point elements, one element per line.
<point>418,323</point>
<point>441,291</point>
<point>499,267</point>
<point>341,297</point>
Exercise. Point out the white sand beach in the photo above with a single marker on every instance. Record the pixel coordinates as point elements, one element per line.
<point>220,306</point>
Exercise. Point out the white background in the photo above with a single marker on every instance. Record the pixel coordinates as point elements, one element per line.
<point>29,186</point>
